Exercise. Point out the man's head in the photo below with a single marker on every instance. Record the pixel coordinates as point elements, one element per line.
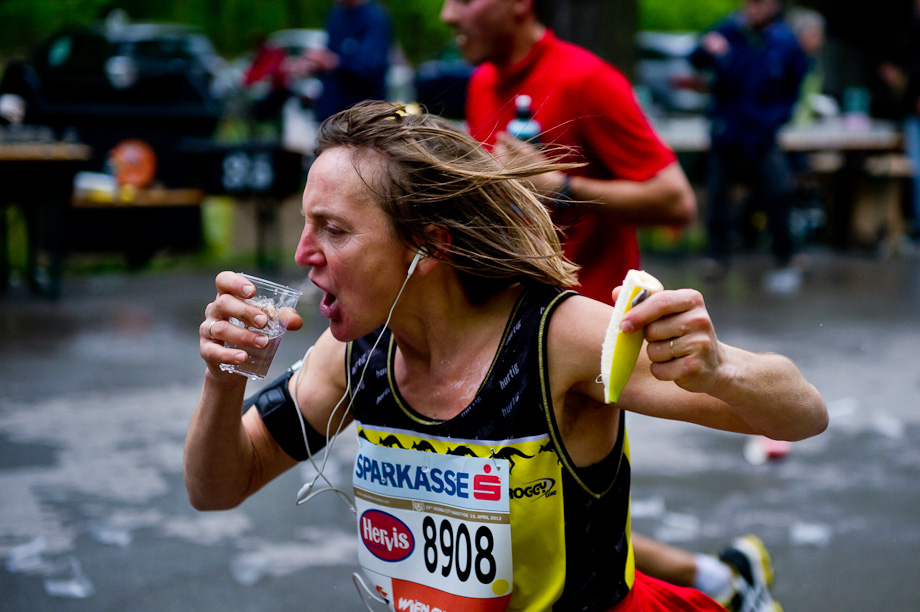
<point>809,27</point>
<point>497,31</point>
<point>761,13</point>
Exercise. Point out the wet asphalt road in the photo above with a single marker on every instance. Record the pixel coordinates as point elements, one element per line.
<point>97,389</point>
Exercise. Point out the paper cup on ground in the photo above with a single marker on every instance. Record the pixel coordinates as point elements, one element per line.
<point>270,298</point>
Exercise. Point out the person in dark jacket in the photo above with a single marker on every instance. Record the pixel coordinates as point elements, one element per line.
<point>901,73</point>
<point>757,68</point>
<point>354,65</point>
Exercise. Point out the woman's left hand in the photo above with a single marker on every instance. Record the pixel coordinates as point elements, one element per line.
<point>682,342</point>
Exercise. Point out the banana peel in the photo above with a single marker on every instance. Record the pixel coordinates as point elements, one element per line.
<point>620,350</point>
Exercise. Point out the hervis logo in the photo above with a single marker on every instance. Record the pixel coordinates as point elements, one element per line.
<point>385,536</point>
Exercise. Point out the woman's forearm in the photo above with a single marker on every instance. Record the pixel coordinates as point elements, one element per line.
<point>771,395</point>
<point>218,452</point>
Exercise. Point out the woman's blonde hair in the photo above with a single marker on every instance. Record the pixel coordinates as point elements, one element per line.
<point>432,173</point>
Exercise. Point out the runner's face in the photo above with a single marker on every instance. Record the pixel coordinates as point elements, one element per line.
<point>348,242</point>
<point>483,29</point>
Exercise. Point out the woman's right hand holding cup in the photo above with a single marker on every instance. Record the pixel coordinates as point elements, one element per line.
<point>232,292</point>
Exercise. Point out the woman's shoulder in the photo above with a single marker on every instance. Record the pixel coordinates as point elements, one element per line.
<point>574,342</point>
<point>578,325</point>
<point>580,317</point>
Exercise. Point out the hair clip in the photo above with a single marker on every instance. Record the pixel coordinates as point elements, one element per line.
<point>409,109</point>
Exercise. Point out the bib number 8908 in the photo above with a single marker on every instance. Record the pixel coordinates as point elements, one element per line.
<point>457,550</point>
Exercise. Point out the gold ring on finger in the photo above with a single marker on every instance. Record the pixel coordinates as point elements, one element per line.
<point>671,345</point>
<point>212,325</point>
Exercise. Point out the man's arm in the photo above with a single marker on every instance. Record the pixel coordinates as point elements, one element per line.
<point>665,199</point>
<point>632,173</point>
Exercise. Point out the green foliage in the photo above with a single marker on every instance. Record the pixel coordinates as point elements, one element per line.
<point>231,24</point>
<point>26,23</point>
<point>418,28</point>
<point>683,15</point>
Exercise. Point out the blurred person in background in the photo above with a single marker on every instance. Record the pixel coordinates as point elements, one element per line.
<point>757,67</point>
<point>810,28</point>
<point>629,177</point>
<point>269,79</point>
<point>353,66</point>
<point>902,75</point>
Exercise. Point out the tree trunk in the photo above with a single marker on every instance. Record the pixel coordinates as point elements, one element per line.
<point>606,27</point>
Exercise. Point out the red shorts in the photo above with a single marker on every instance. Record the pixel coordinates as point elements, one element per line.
<point>652,595</point>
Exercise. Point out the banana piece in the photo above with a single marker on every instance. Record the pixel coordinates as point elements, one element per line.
<point>620,351</point>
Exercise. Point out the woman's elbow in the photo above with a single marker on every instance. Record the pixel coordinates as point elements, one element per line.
<point>209,498</point>
<point>821,418</point>
<point>210,503</point>
<point>815,420</point>
<point>200,503</point>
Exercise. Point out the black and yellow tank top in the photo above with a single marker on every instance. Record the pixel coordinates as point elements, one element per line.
<point>569,526</point>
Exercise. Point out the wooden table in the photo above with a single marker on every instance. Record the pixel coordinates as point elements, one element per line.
<point>860,135</point>
<point>141,198</point>
<point>40,152</point>
<point>39,177</point>
<point>860,149</point>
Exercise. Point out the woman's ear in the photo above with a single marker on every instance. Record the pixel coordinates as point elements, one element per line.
<point>438,242</point>
<point>435,249</point>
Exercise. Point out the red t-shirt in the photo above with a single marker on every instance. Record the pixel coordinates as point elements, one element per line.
<point>584,103</point>
<point>268,64</point>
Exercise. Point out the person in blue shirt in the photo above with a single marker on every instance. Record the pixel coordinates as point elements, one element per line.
<point>354,64</point>
<point>757,68</point>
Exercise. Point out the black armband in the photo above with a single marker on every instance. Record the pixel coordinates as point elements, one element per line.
<point>279,413</point>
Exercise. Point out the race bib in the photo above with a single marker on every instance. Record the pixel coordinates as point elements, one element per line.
<point>435,529</point>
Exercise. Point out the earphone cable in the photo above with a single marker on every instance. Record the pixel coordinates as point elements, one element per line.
<point>305,493</point>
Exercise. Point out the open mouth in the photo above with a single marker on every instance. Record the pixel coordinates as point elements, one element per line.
<point>328,304</point>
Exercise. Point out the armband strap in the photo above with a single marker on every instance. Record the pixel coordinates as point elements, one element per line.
<point>279,413</point>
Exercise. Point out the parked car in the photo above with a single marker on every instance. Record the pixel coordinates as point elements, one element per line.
<point>119,86</point>
<point>117,70</point>
<point>664,69</point>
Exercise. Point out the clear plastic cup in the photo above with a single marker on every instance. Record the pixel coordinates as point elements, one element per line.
<point>270,298</point>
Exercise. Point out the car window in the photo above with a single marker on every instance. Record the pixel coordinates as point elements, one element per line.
<point>200,46</point>
<point>169,48</point>
<point>59,51</point>
<point>76,54</point>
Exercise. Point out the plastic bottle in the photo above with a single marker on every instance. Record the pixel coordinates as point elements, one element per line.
<point>524,126</point>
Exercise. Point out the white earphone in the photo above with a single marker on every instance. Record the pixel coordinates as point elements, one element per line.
<point>306,492</point>
<point>418,256</point>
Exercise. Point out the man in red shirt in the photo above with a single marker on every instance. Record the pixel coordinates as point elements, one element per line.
<point>583,103</point>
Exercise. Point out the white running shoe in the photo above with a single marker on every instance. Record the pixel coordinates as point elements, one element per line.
<point>752,577</point>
